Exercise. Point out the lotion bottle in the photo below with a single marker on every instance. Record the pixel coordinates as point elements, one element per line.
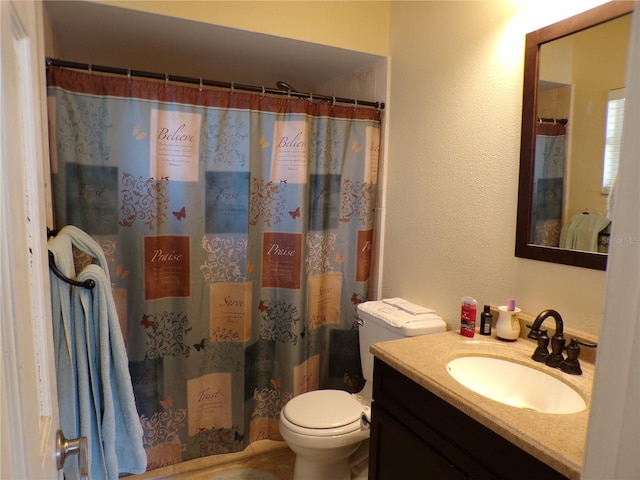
<point>486,319</point>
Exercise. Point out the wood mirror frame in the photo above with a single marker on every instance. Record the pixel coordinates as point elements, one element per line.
<point>534,40</point>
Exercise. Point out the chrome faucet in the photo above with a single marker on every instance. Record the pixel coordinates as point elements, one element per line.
<point>555,358</point>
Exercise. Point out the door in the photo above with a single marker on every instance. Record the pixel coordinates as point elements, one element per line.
<point>29,409</point>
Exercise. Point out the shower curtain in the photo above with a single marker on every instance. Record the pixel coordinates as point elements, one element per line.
<point>237,229</point>
<point>548,184</point>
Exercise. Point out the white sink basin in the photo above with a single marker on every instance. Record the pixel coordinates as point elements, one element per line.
<point>515,384</point>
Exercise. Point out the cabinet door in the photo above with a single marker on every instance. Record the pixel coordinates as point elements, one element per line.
<point>397,453</point>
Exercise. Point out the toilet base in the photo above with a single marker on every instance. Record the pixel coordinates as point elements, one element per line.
<point>307,469</point>
<point>313,468</point>
<point>333,464</point>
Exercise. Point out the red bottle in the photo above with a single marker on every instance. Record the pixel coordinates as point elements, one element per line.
<point>468,317</point>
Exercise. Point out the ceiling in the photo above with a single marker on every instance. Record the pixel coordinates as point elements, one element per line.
<point>100,34</point>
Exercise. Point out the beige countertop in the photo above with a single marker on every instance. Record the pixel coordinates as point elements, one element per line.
<point>555,439</point>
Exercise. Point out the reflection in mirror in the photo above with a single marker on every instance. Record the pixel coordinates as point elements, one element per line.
<point>577,75</point>
<point>573,98</point>
<point>615,117</point>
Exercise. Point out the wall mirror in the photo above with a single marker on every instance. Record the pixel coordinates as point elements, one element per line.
<point>574,75</point>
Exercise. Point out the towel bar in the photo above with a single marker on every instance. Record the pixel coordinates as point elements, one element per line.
<point>89,283</point>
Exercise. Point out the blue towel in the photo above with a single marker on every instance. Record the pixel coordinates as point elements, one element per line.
<point>115,416</point>
<point>94,385</point>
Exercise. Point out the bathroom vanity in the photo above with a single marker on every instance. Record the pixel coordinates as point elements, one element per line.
<point>428,426</point>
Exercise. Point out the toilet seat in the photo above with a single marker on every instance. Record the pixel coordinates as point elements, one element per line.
<point>323,413</point>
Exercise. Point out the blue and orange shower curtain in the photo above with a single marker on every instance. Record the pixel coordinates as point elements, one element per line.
<point>237,229</point>
<point>548,184</point>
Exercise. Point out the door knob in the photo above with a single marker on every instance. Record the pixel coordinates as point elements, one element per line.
<point>72,446</point>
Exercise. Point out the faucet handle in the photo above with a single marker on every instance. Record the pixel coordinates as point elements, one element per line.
<point>571,365</point>
<point>534,334</point>
<point>542,352</point>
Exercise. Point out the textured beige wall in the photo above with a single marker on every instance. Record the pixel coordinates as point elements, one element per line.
<point>356,25</point>
<point>454,140</point>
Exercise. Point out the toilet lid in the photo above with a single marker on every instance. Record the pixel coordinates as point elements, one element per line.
<point>323,409</point>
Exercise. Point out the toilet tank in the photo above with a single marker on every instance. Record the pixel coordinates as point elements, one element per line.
<point>381,321</point>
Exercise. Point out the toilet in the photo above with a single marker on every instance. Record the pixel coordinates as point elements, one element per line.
<point>328,430</point>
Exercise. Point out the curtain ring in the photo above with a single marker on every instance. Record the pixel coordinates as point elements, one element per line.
<point>166,80</point>
<point>333,104</point>
<point>200,89</point>
<point>232,88</point>
<point>262,96</point>
<point>355,104</point>
<point>310,97</point>
<point>129,75</point>
<point>90,70</point>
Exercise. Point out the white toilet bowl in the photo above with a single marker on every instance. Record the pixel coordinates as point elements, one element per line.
<point>324,428</point>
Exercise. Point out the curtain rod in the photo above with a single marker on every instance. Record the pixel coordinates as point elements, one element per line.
<point>52,62</point>
<point>561,121</point>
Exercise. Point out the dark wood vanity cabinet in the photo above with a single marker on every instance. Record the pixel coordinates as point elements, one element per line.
<point>416,435</point>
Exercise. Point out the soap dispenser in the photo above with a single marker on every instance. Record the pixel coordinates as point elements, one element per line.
<point>508,324</point>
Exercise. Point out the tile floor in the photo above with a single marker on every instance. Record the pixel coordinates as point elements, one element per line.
<point>263,460</point>
<point>268,460</point>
